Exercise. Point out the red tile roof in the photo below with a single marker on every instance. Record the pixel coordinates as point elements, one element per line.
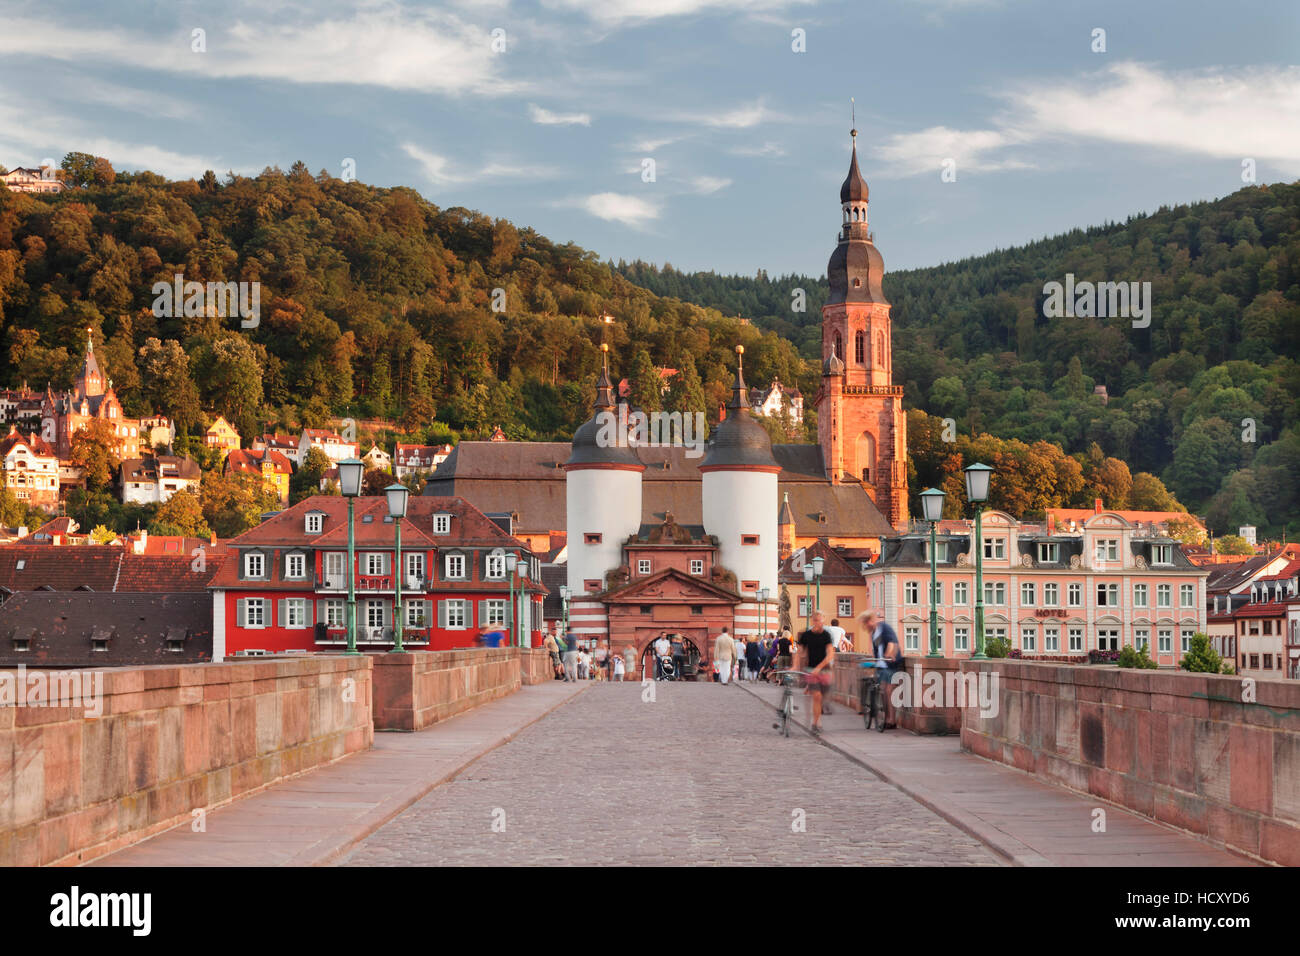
<point>250,461</point>
<point>100,568</point>
<point>469,528</point>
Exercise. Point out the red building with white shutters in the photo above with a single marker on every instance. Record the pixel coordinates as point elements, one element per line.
<point>284,585</point>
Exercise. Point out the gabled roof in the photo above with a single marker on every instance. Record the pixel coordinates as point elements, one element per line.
<point>525,478</point>
<point>650,588</point>
<point>469,526</point>
<point>835,570</point>
<point>251,461</point>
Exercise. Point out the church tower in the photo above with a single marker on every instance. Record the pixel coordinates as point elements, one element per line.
<point>860,421</point>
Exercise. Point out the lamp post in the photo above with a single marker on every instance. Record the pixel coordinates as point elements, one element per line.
<point>565,593</point>
<point>512,562</point>
<point>762,598</point>
<point>397,495</point>
<point>977,492</point>
<point>523,576</point>
<point>351,471</point>
<point>818,564</point>
<point>807,594</point>
<point>932,508</point>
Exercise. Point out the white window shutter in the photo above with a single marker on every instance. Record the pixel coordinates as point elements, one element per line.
<point>280,616</point>
<point>483,613</point>
<point>310,618</point>
<point>442,614</point>
<point>241,612</point>
<point>428,613</point>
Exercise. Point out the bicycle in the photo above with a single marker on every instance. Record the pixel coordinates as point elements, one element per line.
<point>789,680</point>
<point>871,696</point>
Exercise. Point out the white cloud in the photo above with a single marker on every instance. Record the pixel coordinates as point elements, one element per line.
<point>1217,112</point>
<point>441,171</point>
<point>650,144</point>
<point>742,117</point>
<point>385,46</point>
<point>620,12</point>
<point>705,185</point>
<point>26,133</point>
<point>907,154</point>
<point>545,117</point>
<point>620,207</point>
<point>766,149</point>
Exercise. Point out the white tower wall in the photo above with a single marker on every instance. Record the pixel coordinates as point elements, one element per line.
<point>738,503</point>
<point>606,501</point>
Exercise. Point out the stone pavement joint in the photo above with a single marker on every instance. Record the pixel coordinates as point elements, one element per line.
<point>317,817</point>
<point>1027,821</point>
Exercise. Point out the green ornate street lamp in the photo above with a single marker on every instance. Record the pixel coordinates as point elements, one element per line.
<point>397,495</point>
<point>812,571</point>
<point>351,471</point>
<point>762,598</point>
<point>523,576</point>
<point>977,492</point>
<point>565,593</point>
<point>932,508</point>
<point>512,562</point>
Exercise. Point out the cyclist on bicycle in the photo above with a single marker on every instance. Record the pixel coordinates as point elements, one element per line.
<point>885,644</point>
<point>817,654</point>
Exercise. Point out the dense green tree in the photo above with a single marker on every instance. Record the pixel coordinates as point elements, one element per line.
<point>181,514</point>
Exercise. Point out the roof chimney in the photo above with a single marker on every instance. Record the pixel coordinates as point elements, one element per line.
<point>1051,523</point>
<point>1096,506</point>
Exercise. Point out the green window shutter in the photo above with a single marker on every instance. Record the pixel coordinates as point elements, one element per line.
<point>483,613</point>
<point>442,614</point>
<point>241,612</point>
<point>310,613</point>
<point>281,618</point>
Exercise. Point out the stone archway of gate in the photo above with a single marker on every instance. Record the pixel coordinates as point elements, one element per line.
<point>697,637</point>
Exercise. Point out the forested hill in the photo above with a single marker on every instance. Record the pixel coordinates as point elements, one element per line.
<point>374,303</point>
<point>971,342</point>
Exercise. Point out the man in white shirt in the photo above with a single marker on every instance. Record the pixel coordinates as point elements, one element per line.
<point>837,636</point>
<point>662,650</point>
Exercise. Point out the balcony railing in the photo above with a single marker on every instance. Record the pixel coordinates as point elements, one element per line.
<point>372,582</point>
<point>374,635</point>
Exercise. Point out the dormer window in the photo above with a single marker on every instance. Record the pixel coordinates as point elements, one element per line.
<point>315,522</point>
<point>295,566</point>
<point>1048,553</point>
<point>454,566</point>
<point>442,524</point>
<point>254,565</point>
<point>1162,554</point>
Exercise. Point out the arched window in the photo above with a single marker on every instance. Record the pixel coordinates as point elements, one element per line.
<point>860,348</point>
<point>880,348</point>
<point>839,347</point>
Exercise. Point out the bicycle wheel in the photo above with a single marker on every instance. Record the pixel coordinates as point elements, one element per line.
<point>879,707</point>
<point>866,703</point>
<point>787,702</point>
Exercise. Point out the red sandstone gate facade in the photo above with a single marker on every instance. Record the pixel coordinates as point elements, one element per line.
<point>670,602</point>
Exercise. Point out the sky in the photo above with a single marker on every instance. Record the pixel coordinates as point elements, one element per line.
<point>981,123</point>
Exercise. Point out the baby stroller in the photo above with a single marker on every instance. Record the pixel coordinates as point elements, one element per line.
<point>666,667</point>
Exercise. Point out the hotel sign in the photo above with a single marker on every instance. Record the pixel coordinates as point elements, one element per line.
<point>1050,612</point>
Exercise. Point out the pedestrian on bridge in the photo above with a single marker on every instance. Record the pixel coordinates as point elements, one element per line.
<point>724,654</point>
